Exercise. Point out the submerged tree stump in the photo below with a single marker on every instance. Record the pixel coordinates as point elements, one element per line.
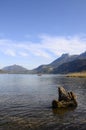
<point>65,99</point>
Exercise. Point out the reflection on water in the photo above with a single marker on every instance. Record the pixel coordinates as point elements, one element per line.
<point>62,111</point>
<point>25,102</point>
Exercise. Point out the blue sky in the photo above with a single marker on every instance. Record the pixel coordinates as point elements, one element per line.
<point>34,32</point>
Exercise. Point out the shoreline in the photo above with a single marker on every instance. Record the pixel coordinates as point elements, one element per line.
<point>77,75</point>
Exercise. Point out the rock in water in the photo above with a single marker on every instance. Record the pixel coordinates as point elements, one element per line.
<point>63,94</point>
<point>65,99</point>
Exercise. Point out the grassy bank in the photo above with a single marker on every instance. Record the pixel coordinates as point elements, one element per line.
<point>79,74</point>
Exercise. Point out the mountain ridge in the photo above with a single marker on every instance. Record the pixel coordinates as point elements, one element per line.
<point>15,69</point>
<point>64,62</point>
<point>56,63</point>
<point>78,65</point>
<point>65,58</point>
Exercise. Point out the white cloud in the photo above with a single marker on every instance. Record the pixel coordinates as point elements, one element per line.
<point>24,54</point>
<point>41,53</point>
<point>10,52</point>
<point>47,46</point>
<point>59,45</point>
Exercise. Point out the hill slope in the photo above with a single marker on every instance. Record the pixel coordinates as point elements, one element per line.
<point>59,61</point>
<point>64,64</point>
<point>78,65</point>
<point>2,72</point>
<point>15,69</point>
<point>59,64</point>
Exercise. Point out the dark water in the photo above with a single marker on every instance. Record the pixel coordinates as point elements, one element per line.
<point>25,103</point>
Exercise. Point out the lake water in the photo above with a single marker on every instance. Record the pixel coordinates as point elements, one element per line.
<point>25,103</point>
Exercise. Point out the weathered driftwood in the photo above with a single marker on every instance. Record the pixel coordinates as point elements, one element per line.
<point>65,99</point>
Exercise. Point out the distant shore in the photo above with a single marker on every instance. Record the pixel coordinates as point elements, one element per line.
<point>77,75</point>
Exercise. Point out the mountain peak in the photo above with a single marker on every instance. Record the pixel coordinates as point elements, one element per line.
<point>64,58</point>
<point>82,56</point>
<point>65,55</point>
<point>15,69</point>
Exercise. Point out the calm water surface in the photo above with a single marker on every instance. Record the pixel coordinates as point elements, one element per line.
<point>25,103</point>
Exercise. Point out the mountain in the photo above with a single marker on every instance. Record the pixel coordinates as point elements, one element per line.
<point>63,59</point>
<point>78,65</point>
<point>59,61</point>
<point>82,56</point>
<point>15,69</point>
<point>43,69</point>
<point>2,72</point>
<point>64,64</point>
<point>60,64</point>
